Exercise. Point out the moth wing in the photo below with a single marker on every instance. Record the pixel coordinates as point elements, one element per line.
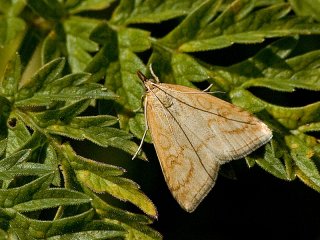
<point>182,165</point>
<point>193,133</point>
<point>225,130</point>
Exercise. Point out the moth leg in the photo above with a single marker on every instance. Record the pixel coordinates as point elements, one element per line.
<point>208,88</point>
<point>140,145</point>
<point>145,130</point>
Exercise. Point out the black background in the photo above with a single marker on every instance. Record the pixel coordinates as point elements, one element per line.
<point>256,205</point>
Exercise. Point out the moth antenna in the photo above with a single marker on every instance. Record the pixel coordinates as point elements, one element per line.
<point>142,76</point>
<point>155,77</point>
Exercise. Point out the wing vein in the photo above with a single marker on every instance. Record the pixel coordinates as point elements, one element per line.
<point>203,110</point>
<point>184,133</point>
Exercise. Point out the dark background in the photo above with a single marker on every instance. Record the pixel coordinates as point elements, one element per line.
<point>256,205</point>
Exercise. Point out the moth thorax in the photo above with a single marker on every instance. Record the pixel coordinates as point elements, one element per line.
<point>149,84</point>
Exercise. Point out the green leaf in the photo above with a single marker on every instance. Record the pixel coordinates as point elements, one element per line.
<point>17,136</point>
<point>283,85</point>
<point>27,169</point>
<point>290,118</point>
<point>52,9</point>
<point>52,198</point>
<point>12,31</point>
<point>269,68</point>
<point>134,39</point>
<point>87,5</point>
<point>269,62</point>
<point>10,28</point>
<point>12,8</point>
<point>110,212</point>
<point>302,155</point>
<point>177,68</point>
<point>307,8</point>
<point>64,114</point>
<point>90,234</point>
<point>120,64</point>
<point>8,163</point>
<point>79,46</point>
<point>81,92</point>
<point>45,75</point>
<point>272,163</point>
<point>11,197</point>
<point>154,11</point>
<point>295,117</point>
<point>10,81</point>
<point>35,142</point>
<point>96,130</point>
<point>37,229</point>
<point>312,127</point>
<point>19,167</point>
<point>195,21</point>
<point>3,146</point>
<point>66,93</point>
<point>238,23</point>
<point>101,169</point>
<point>247,100</point>
<point>51,161</point>
<point>75,87</point>
<point>135,224</point>
<point>51,48</point>
<point>120,188</point>
<point>138,231</point>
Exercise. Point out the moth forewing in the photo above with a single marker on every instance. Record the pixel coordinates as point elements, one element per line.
<point>187,179</point>
<point>227,130</point>
<point>193,134</point>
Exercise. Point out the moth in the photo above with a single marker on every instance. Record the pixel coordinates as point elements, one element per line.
<point>194,133</point>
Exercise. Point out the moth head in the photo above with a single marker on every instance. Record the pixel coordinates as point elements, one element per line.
<point>142,76</point>
<point>147,82</point>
